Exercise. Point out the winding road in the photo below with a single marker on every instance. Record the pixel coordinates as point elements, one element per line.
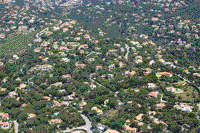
<point>126,56</point>
<point>87,127</point>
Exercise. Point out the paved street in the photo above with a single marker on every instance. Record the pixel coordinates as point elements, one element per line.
<point>126,56</point>
<point>87,127</point>
<point>16,126</point>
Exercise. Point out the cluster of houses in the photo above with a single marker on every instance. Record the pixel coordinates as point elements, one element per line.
<point>65,49</point>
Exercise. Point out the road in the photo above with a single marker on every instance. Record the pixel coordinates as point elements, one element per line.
<point>127,48</point>
<point>16,126</point>
<point>95,81</point>
<point>86,127</point>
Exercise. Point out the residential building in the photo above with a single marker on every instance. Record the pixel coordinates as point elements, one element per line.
<point>152,85</point>
<point>31,115</point>
<point>97,110</point>
<point>54,121</point>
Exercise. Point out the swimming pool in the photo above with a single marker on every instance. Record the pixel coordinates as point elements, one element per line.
<point>56,114</point>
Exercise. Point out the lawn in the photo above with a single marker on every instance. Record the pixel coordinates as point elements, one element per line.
<point>188,90</point>
<point>16,43</point>
<point>109,115</point>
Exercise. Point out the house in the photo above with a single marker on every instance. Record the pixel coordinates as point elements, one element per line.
<point>152,113</point>
<point>153,94</point>
<point>21,86</point>
<point>80,65</point>
<point>3,89</point>
<point>77,38</point>
<point>56,28</point>
<point>97,110</point>
<point>15,56</point>
<point>62,90</point>
<point>160,105</point>
<point>63,48</point>
<point>127,127</point>
<point>111,66</point>
<point>192,67</point>
<point>45,67</point>
<point>139,117</point>
<point>98,68</point>
<point>103,76</point>
<point>72,44</point>
<point>56,103</point>
<point>162,61</point>
<point>65,29</point>
<point>147,70</point>
<point>2,35</point>
<point>121,64</point>
<point>137,90</point>
<point>5,125</point>
<point>158,56</point>
<point>83,46</point>
<point>171,89</point>
<point>159,74</point>
<point>151,62</point>
<point>12,94</point>
<point>110,76</point>
<point>138,61</point>
<point>186,71</point>
<point>24,105</point>
<point>181,83</point>
<point>91,59</point>
<point>1,63</point>
<point>57,84</point>
<point>67,77</point>
<point>4,116</point>
<point>111,51</point>
<point>47,98</point>
<point>82,104</point>
<point>54,121</point>
<point>111,131</point>
<point>82,52</point>
<point>196,74</point>
<point>93,86</point>
<point>31,115</point>
<point>118,45</point>
<point>45,44</point>
<point>65,60</point>
<point>152,85</point>
<point>87,36</point>
<point>100,127</point>
<point>158,122</point>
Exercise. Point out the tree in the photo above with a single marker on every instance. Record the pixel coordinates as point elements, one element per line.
<point>14,113</point>
<point>146,119</point>
<point>22,116</point>
<point>174,127</point>
<point>195,108</point>
<point>63,125</point>
<point>112,103</point>
<point>157,128</point>
<point>42,128</point>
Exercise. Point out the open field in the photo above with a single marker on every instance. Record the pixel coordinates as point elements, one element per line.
<point>16,43</point>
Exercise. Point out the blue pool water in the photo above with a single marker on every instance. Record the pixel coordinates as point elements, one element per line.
<point>179,90</point>
<point>55,114</point>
